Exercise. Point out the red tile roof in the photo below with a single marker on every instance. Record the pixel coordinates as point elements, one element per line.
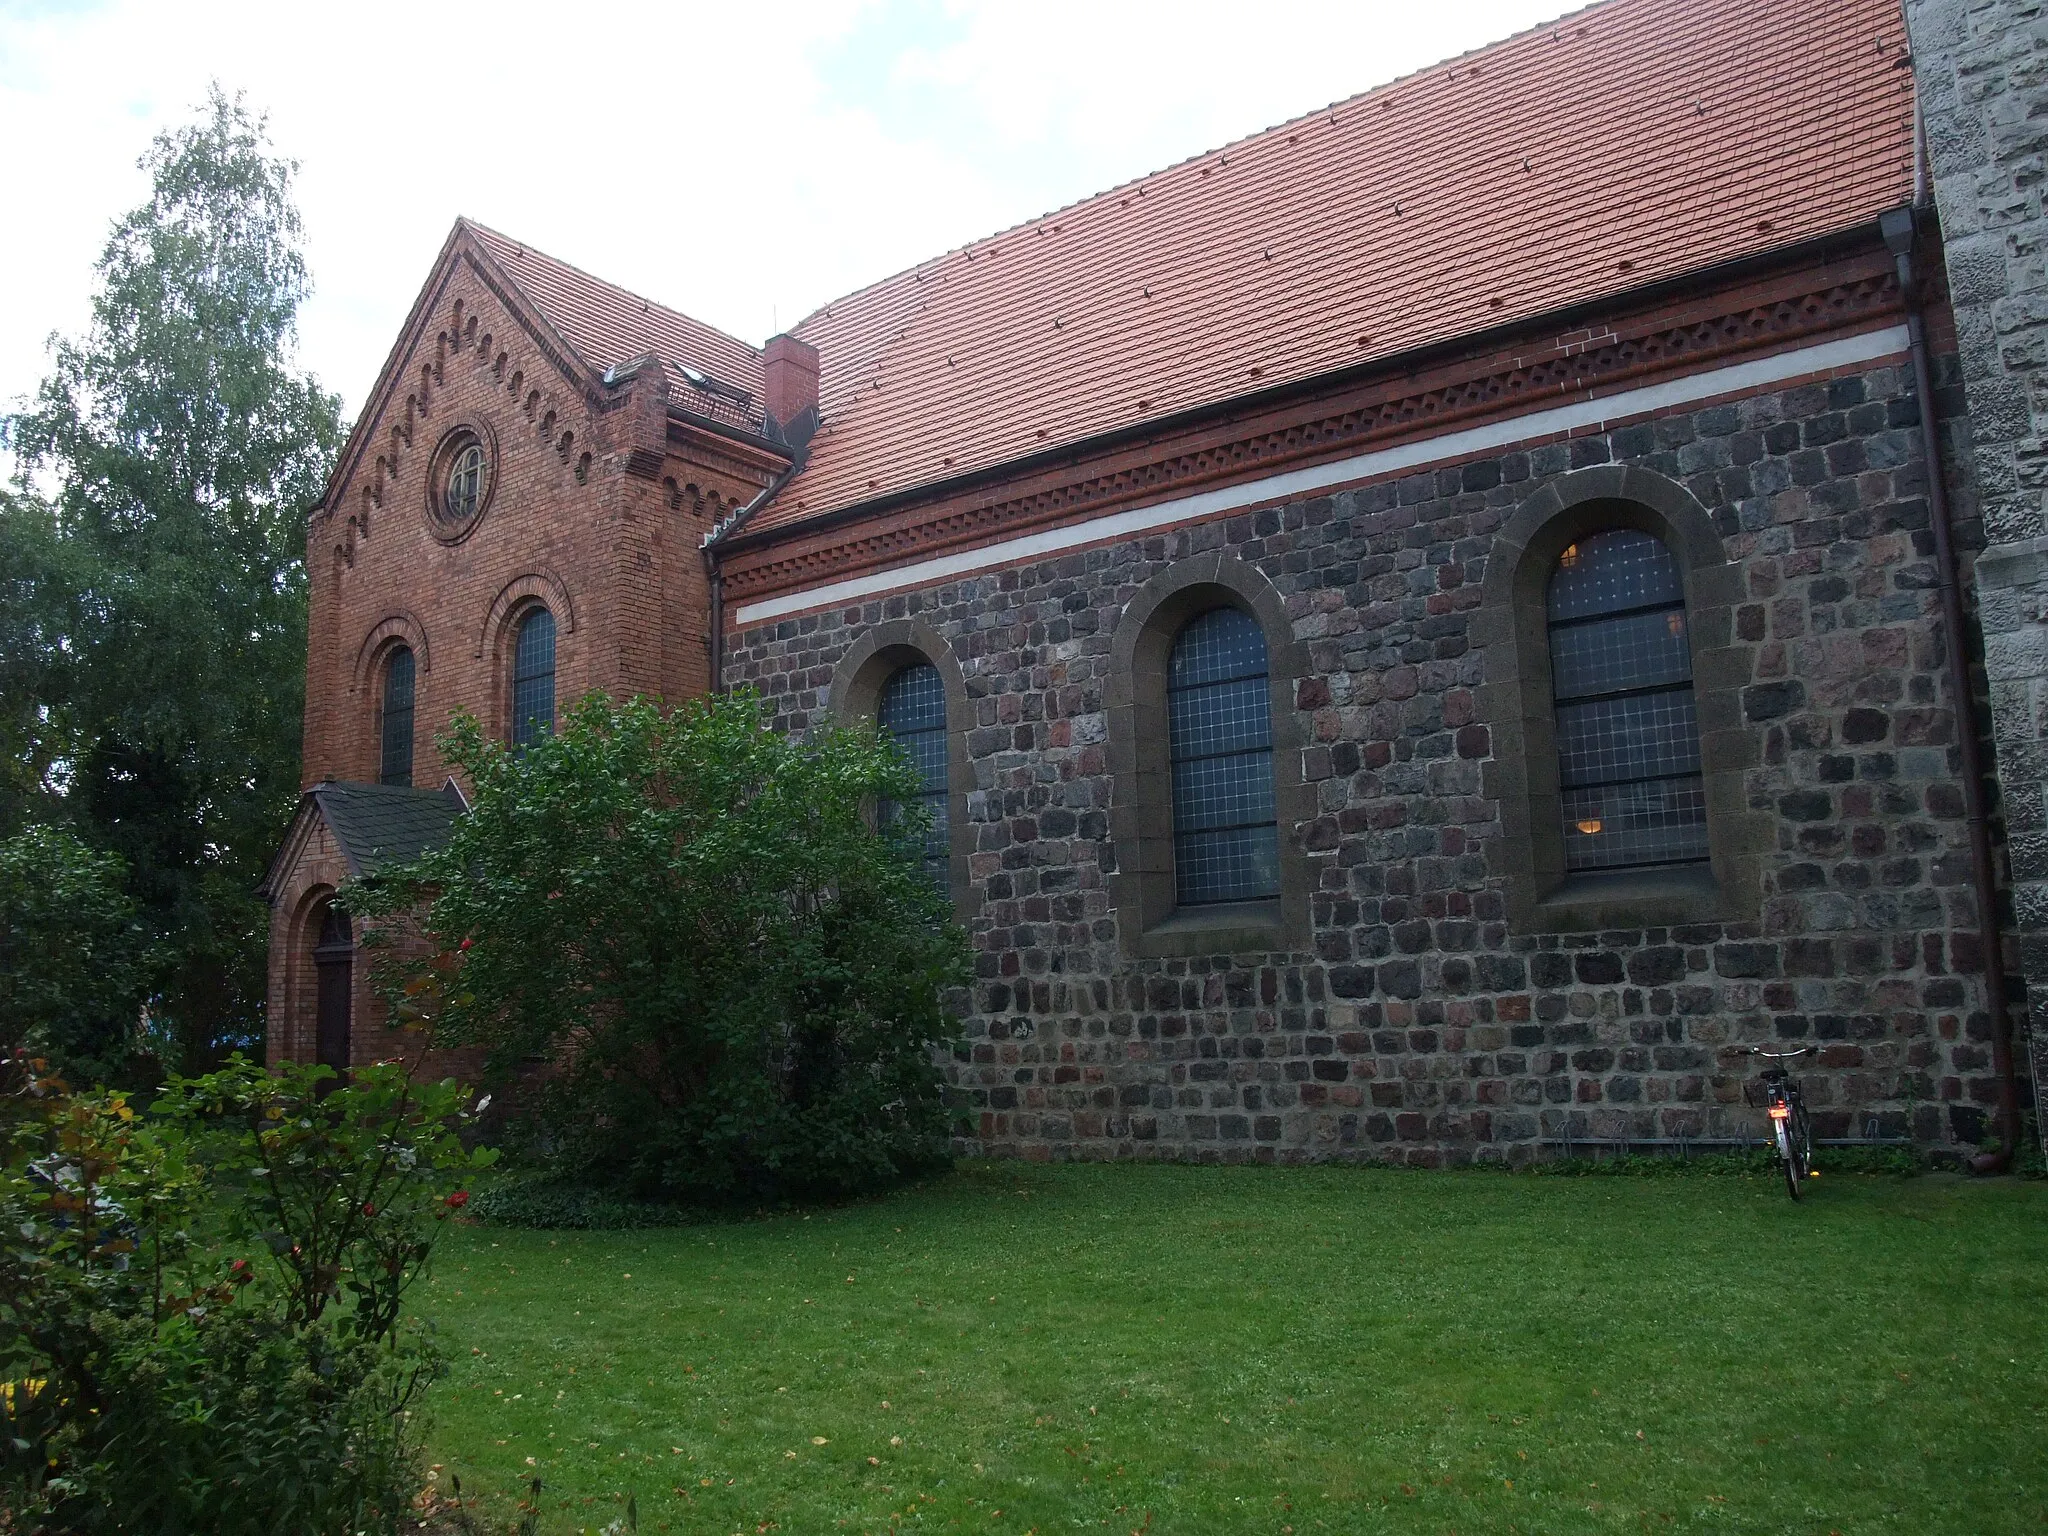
<point>607,325</point>
<point>1628,142</point>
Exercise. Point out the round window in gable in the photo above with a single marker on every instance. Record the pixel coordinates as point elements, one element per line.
<point>459,485</point>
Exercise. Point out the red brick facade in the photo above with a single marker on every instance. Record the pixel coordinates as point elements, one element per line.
<point>596,501</point>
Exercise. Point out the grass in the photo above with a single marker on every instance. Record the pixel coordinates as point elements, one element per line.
<point>1019,1348</point>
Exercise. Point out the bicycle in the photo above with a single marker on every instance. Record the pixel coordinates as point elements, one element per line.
<point>1789,1124</point>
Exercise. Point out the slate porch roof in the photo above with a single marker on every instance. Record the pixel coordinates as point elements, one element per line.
<point>377,825</point>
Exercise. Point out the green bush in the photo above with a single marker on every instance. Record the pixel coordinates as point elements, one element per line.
<point>548,1203</point>
<point>201,1307</point>
<point>71,955</point>
<point>737,981</point>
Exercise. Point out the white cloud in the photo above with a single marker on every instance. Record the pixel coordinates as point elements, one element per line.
<point>744,164</point>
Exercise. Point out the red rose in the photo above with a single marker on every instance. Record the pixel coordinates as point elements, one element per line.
<point>465,943</point>
<point>369,1209</point>
<point>459,1199</point>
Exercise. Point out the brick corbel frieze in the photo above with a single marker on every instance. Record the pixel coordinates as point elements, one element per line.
<point>1394,407</point>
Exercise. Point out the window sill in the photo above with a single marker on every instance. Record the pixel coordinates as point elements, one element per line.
<point>1227,928</point>
<point>1633,898</point>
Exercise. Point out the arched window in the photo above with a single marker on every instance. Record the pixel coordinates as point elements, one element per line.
<point>395,760</point>
<point>912,708</point>
<point>533,678</point>
<point>1628,736</point>
<point>1226,838</point>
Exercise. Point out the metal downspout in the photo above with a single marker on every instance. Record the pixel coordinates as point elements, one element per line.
<point>1898,236</point>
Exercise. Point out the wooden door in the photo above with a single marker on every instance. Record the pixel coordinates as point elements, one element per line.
<point>334,963</point>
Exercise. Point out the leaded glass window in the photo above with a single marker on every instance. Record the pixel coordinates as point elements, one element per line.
<point>1628,737</point>
<point>1226,836</point>
<point>465,482</point>
<point>395,765</point>
<point>913,710</point>
<point>533,678</point>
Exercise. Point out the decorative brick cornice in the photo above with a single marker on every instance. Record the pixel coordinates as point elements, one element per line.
<point>1378,412</point>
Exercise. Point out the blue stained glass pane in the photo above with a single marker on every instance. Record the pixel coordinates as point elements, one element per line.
<point>1628,735</point>
<point>1222,644</point>
<point>913,710</point>
<point>1637,736</point>
<point>1230,791</point>
<point>1226,844</point>
<point>1232,864</point>
<point>914,699</point>
<point>1656,821</point>
<point>1222,717</point>
<point>396,755</point>
<point>1642,650</point>
<point>533,678</point>
<point>1608,572</point>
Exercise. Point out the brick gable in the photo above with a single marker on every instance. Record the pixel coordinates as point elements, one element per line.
<point>600,492</point>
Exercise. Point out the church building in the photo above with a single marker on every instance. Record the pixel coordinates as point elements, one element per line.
<point>1429,630</point>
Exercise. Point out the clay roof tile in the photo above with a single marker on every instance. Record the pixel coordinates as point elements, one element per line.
<point>1626,143</point>
<point>609,326</point>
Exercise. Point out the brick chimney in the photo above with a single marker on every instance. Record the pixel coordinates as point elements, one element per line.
<point>789,371</point>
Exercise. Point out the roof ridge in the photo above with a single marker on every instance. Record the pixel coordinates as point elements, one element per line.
<point>1247,138</point>
<point>525,247</point>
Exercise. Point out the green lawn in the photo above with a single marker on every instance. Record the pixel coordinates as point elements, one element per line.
<point>1018,1347</point>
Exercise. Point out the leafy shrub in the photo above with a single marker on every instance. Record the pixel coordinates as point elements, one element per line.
<point>549,1203</point>
<point>71,955</point>
<point>735,979</point>
<point>201,1306</point>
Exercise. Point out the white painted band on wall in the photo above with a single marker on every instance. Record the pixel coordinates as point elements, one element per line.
<point>1578,416</point>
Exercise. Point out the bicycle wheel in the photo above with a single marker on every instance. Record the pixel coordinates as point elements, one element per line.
<point>1788,1158</point>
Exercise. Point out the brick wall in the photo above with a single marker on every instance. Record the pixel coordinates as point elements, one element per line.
<point>598,505</point>
<point>597,509</point>
<point>1982,70</point>
<point>1413,1024</point>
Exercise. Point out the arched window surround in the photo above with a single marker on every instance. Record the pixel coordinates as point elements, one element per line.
<point>1512,629</point>
<point>297,1033</point>
<point>856,691</point>
<point>1149,920</point>
<point>367,689</point>
<point>498,638</point>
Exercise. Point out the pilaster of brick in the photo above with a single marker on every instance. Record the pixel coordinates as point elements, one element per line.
<point>630,505</point>
<point>323,685</point>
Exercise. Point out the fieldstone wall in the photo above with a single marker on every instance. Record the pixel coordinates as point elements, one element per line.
<point>1982,73</point>
<point>1414,1025</point>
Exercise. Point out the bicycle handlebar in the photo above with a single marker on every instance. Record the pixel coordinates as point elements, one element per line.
<point>1757,1050</point>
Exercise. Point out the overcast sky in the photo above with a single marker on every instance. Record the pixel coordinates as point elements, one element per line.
<point>742,162</point>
